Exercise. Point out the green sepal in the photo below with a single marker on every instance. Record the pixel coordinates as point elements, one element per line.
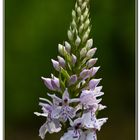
<point>65,74</point>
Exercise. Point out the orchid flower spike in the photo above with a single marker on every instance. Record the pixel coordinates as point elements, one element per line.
<point>74,97</point>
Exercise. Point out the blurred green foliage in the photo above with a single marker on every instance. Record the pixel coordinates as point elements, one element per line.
<point>33,28</point>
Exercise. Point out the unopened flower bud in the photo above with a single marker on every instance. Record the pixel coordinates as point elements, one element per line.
<point>55,84</point>
<point>61,49</point>
<point>67,47</point>
<point>85,74</point>
<point>77,41</point>
<point>82,18</point>
<point>88,30</point>
<point>87,23</point>
<point>61,61</point>
<point>83,52</point>
<point>91,52</point>
<point>55,65</point>
<point>98,89</point>
<point>87,1</point>
<point>85,37</point>
<point>91,62</point>
<point>74,59</point>
<point>73,24</point>
<point>72,80</point>
<point>85,13</point>
<point>81,28</point>
<point>79,11</point>
<point>70,35</point>
<point>47,82</point>
<point>93,83</point>
<point>80,2</point>
<point>93,71</point>
<point>65,95</point>
<point>73,14</point>
<point>84,5</point>
<point>76,5</point>
<point>89,43</point>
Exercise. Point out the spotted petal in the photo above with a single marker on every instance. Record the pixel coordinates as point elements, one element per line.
<point>68,136</point>
<point>49,126</point>
<point>91,135</point>
<point>88,120</point>
<point>56,100</point>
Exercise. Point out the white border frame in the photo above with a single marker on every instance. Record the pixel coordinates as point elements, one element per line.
<point>1,70</point>
<point>138,76</point>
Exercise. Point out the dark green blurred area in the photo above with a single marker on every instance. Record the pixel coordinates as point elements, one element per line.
<point>33,30</point>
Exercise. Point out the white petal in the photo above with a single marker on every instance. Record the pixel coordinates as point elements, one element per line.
<point>101,122</point>
<point>71,122</point>
<point>65,94</point>
<point>83,137</point>
<point>101,107</point>
<point>68,136</point>
<point>41,114</point>
<point>56,112</point>
<point>87,98</point>
<point>47,106</point>
<point>88,122</point>
<point>78,107</point>
<point>99,100</point>
<point>43,99</point>
<point>74,100</point>
<point>43,130</point>
<point>52,127</point>
<point>91,136</point>
<point>56,100</point>
<point>98,89</point>
<point>97,94</point>
<point>93,83</point>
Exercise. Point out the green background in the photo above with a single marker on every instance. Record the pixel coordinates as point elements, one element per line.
<point>33,28</point>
